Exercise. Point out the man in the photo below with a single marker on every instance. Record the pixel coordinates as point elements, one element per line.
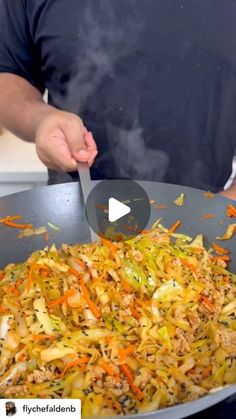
<point>153,80</point>
<point>10,408</point>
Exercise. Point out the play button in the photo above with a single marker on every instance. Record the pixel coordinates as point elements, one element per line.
<point>118,209</point>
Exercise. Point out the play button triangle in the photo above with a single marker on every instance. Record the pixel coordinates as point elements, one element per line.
<point>117,210</point>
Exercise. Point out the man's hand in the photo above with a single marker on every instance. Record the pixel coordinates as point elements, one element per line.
<point>62,140</point>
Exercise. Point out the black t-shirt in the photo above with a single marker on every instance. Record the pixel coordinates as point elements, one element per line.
<point>154,80</point>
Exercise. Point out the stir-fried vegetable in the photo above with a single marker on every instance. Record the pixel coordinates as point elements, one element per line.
<point>208,216</point>
<point>27,230</point>
<point>219,249</point>
<point>208,195</point>
<point>10,221</point>
<point>231,211</point>
<point>230,231</point>
<point>179,201</point>
<point>126,327</point>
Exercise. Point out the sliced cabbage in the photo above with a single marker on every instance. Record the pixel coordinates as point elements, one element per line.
<point>43,316</point>
<point>231,229</point>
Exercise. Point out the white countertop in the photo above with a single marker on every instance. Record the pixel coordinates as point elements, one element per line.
<point>19,161</point>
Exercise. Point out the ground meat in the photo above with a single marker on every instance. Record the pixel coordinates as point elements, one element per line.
<point>227,339</point>
<point>124,313</point>
<point>194,319</point>
<point>179,313</point>
<point>195,377</point>
<point>181,342</point>
<point>14,391</point>
<point>39,376</point>
<point>97,373</point>
<point>116,387</point>
<point>127,299</point>
<point>151,358</point>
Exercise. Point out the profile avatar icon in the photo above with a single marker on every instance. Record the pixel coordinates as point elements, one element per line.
<point>10,408</point>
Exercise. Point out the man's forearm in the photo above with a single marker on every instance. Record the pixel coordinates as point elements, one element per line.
<point>21,106</point>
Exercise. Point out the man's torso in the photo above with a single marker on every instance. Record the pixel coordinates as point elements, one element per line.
<point>153,80</point>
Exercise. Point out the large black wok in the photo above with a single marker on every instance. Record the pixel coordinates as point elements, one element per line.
<point>63,206</point>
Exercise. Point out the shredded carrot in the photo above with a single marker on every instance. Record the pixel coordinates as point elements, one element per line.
<point>79,361</point>
<point>3,309</point>
<point>2,274</point>
<point>74,272</point>
<point>13,290</point>
<point>207,302</point>
<point>123,353</point>
<point>208,194</point>
<point>125,285</point>
<point>187,264</point>
<point>19,282</point>
<point>173,228</point>
<point>192,371</point>
<point>225,258</point>
<point>119,237</point>
<point>117,405</point>
<point>17,225</point>
<point>109,370</point>
<point>135,313</point>
<point>46,236</point>
<point>231,210</point>
<point>208,216</point>
<point>110,245</point>
<point>126,371</point>
<point>10,218</point>
<point>197,250</point>
<point>81,263</point>
<point>146,303</point>
<point>160,206</point>
<point>16,292</point>
<point>43,269</point>
<point>219,249</point>
<point>62,299</point>
<point>108,339</point>
<point>130,228</point>
<point>42,395</point>
<point>96,312</point>
<point>103,207</point>
<point>146,231</point>
<point>35,267</point>
<point>44,272</point>
<point>22,357</point>
<point>40,266</point>
<point>42,337</point>
<point>226,279</point>
<point>207,371</point>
